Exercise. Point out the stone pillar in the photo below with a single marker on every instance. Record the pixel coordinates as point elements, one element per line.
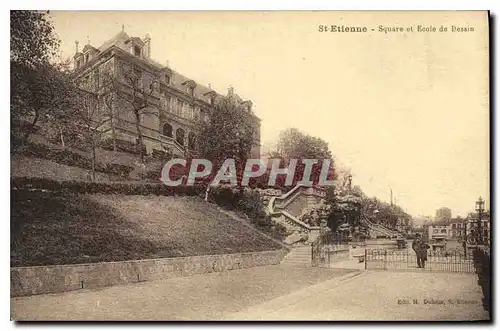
<point>322,224</point>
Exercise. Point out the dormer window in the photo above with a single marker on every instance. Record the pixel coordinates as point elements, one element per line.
<point>86,58</point>
<point>167,79</point>
<point>137,51</point>
<point>190,85</point>
<point>211,95</point>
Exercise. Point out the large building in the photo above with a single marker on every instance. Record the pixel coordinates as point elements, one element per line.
<point>174,105</point>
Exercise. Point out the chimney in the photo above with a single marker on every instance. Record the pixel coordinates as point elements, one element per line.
<point>147,46</point>
<point>77,57</point>
<point>230,91</point>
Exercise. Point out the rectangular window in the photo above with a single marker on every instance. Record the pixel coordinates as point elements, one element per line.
<point>180,107</point>
<point>435,231</point>
<point>190,112</point>
<point>96,78</point>
<point>173,105</point>
<point>443,231</point>
<point>137,51</point>
<point>166,103</point>
<point>167,79</point>
<point>197,113</point>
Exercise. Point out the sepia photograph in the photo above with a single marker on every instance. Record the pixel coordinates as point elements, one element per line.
<point>250,166</point>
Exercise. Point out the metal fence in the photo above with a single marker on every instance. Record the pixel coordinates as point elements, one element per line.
<point>383,259</point>
<point>327,248</point>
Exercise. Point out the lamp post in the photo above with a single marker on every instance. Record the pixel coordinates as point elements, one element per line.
<point>480,210</point>
<point>465,237</point>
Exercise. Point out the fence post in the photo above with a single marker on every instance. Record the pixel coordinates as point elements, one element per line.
<point>407,259</point>
<point>366,262</point>
<point>385,259</point>
<point>312,254</point>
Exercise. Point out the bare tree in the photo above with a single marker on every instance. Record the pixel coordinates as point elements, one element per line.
<point>140,91</point>
<point>94,124</point>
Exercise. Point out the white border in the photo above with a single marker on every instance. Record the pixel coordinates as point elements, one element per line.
<point>190,5</point>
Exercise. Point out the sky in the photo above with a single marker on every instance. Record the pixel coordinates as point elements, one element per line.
<point>407,111</point>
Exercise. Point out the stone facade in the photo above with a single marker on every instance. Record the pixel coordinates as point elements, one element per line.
<point>177,106</point>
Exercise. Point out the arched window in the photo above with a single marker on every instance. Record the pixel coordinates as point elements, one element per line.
<point>179,136</point>
<point>167,130</point>
<point>191,141</point>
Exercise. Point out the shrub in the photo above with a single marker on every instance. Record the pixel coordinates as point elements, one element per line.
<point>250,202</point>
<point>121,146</point>
<point>73,159</point>
<point>22,183</point>
<point>225,196</point>
<point>482,265</point>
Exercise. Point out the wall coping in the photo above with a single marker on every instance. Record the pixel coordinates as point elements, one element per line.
<point>142,260</point>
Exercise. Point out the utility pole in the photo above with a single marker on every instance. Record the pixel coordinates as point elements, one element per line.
<point>391,195</point>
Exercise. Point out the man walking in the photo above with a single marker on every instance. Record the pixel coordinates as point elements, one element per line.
<point>420,249</point>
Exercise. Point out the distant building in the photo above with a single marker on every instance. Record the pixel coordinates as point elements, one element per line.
<point>179,102</point>
<point>458,229</point>
<point>438,230</point>
<point>443,214</point>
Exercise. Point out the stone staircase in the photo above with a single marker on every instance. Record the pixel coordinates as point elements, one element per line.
<point>286,209</point>
<point>299,255</point>
<point>378,229</point>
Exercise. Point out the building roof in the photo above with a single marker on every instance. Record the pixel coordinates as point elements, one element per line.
<point>177,80</point>
<point>119,41</point>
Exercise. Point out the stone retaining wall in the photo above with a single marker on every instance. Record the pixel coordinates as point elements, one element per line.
<point>26,281</point>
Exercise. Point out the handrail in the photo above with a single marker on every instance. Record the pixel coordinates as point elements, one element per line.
<point>379,227</point>
<point>173,141</point>
<point>297,221</point>
<point>294,219</point>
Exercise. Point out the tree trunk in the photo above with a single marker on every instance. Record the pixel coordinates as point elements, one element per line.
<point>113,131</point>
<point>206,192</point>
<point>31,128</point>
<point>62,137</point>
<point>139,134</point>
<point>93,159</point>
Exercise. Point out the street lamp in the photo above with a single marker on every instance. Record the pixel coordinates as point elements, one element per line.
<point>480,210</point>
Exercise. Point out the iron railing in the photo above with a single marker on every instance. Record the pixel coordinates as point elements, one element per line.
<point>383,259</point>
<point>326,248</point>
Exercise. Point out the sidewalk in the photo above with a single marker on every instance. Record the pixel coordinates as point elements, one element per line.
<point>197,297</point>
<point>375,295</point>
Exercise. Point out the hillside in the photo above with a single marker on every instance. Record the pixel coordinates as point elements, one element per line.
<point>50,228</point>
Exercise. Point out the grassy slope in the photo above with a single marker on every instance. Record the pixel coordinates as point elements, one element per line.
<point>63,229</point>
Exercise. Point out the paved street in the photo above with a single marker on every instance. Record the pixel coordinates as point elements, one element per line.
<point>379,295</point>
<point>199,297</point>
<point>270,293</point>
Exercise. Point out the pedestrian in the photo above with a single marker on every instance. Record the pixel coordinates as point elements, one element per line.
<point>420,249</point>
